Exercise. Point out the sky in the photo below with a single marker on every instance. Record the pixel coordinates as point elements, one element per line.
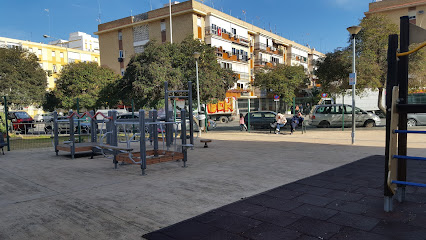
<point>319,23</point>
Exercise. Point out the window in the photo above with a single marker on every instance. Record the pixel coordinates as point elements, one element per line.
<point>234,31</point>
<point>53,54</point>
<point>39,52</point>
<point>256,115</point>
<point>96,59</point>
<point>62,55</point>
<point>54,80</point>
<point>163,31</point>
<point>121,53</point>
<point>122,72</point>
<point>269,115</point>
<point>120,36</point>
<point>198,21</point>
<point>55,70</point>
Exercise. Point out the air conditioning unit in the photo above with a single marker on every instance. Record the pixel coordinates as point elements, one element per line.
<point>120,59</point>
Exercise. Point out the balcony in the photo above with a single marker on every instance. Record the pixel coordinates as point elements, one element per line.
<point>268,49</point>
<point>209,31</point>
<point>225,55</point>
<point>263,63</point>
<point>242,76</point>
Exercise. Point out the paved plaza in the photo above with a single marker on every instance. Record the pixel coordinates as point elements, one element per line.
<point>43,196</point>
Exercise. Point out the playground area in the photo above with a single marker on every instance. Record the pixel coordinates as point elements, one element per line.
<point>45,196</point>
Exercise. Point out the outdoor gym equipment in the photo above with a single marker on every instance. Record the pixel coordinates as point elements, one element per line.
<point>71,145</point>
<point>396,114</point>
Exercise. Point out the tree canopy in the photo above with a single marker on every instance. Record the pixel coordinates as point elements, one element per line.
<point>84,81</point>
<point>21,77</point>
<point>146,73</point>
<point>282,80</point>
<point>371,59</point>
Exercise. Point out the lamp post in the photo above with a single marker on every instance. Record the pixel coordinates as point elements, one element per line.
<point>60,41</point>
<point>354,30</point>
<point>197,56</point>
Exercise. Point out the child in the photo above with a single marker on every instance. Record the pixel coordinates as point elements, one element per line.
<point>242,124</point>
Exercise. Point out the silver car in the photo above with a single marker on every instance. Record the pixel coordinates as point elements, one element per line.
<point>332,115</point>
<point>416,119</point>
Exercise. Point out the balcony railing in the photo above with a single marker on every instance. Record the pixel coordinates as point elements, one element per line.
<point>264,62</point>
<point>231,57</point>
<point>209,31</point>
<point>242,76</point>
<point>268,49</point>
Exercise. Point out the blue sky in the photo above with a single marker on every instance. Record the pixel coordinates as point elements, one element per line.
<point>320,23</point>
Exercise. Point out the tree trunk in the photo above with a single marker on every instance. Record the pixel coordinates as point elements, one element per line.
<point>380,102</point>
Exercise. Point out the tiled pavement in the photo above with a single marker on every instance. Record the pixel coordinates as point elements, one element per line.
<point>343,203</point>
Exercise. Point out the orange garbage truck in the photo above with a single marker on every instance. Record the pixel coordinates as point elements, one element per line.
<point>223,111</point>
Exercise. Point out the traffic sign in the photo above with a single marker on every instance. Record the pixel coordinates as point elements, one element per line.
<point>352,78</point>
<point>324,95</point>
<point>276,97</point>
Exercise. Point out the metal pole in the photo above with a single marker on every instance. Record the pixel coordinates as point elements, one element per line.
<point>403,95</point>
<point>198,97</point>
<point>171,28</point>
<point>353,92</point>
<point>294,106</point>
<point>167,115</point>
<point>7,125</point>
<point>205,115</point>
<point>191,117</point>
<point>78,122</point>
<point>248,116</point>
<point>343,112</point>
<point>142,143</point>
<point>133,115</point>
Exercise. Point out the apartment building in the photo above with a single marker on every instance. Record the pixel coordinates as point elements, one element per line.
<point>52,58</point>
<point>394,9</point>
<point>240,46</point>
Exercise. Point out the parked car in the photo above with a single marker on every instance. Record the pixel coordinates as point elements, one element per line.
<point>64,126</point>
<point>45,117</point>
<point>416,119</point>
<point>21,121</point>
<point>328,115</point>
<point>260,119</point>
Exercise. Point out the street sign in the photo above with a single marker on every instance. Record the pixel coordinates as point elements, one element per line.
<point>276,98</point>
<point>352,78</point>
<point>324,95</point>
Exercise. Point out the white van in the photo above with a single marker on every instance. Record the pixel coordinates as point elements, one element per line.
<point>328,115</point>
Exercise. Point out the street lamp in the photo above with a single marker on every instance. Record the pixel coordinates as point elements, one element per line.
<point>354,30</point>
<point>197,56</point>
<point>59,41</point>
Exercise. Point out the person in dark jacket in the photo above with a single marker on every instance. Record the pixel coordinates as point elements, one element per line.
<point>295,121</point>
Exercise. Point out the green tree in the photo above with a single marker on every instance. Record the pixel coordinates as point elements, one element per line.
<point>146,73</point>
<point>282,80</point>
<point>371,59</point>
<point>333,71</point>
<point>372,47</point>
<point>83,81</point>
<point>21,77</point>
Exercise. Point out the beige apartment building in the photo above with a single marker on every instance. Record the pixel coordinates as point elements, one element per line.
<point>52,58</point>
<point>240,46</point>
<point>394,9</point>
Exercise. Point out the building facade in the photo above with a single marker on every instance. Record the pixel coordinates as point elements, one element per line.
<point>394,9</point>
<point>240,46</point>
<point>52,58</point>
<point>80,41</point>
